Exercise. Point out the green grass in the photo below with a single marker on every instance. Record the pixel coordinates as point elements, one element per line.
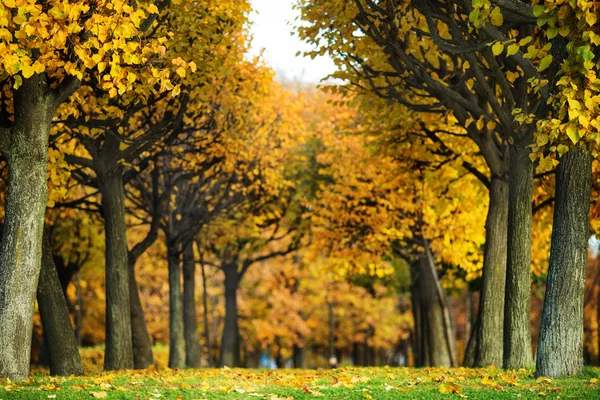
<point>344,383</point>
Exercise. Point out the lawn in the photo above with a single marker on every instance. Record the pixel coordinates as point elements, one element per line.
<point>343,383</point>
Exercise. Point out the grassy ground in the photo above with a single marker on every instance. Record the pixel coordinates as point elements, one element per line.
<point>344,383</point>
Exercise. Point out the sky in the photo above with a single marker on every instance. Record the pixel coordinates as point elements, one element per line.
<point>272,31</point>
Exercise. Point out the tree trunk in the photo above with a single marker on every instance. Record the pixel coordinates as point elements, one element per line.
<point>299,355</point>
<point>489,346</point>
<point>447,325</point>
<point>560,348</point>
<point>598,312</point>
<point>176,337</point>
<point>437,343</point>
<point>230,343</point>
<point>119,348</point>
<point>142,345</point>
<point>21,247</point>
<point>419,353</point>
<point>59,335</point>
<point>205,318</point>
<point>517,306</point>
<point>78,311</point>
<point>193,352</point>
<point>330,308</point>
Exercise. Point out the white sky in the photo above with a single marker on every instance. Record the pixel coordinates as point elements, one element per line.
<point>272,30</point>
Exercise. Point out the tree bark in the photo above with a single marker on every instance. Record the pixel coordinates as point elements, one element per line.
<point>26,151</point>
<point>437,344</point>
<point>419,356</point>
<point>560,348</point>
<point>489,346</point>
<point>299,356</point>
<point>230,343</point>
<point>448,328</point>
<point>142,346</point>
<point>517,306</point>
<point>209,358</point>
<point>330,308</point>
<point>193,352</point>
<point>59,335</point>
<point>119,347</point>
<point>176,336</point>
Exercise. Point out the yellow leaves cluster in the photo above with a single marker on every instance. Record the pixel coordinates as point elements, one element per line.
<point>484,12</point>
<point>576,121</point>
<point>102,38</point>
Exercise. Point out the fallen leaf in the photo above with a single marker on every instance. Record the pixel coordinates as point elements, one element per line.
<point>98,395</point>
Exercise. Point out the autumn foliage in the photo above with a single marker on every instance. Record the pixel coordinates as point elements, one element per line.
<point>168,202</point>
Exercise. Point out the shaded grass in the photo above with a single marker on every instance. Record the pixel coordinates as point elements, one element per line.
<point>344,383</point>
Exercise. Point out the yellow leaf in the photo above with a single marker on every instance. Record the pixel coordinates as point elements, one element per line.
<point>27,71</point>
<point>591,18</point>
<point>99,395</point>
<point>512,49</point>
<point>496,17</point>
<point>545,62</point>
<point>497,48</point>
<point>181,72</point>
<point>450,388</point>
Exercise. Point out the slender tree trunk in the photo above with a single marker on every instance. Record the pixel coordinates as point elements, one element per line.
<point>447,325</point>
<point>230,344</point>
<point>79,311</point>
<point>560,348</point>
<point>517,306</point>
<point>119,348</point>
<point>419,354</point>
<point>193,352</point>
<point>330,307</point>
<point>59,335</point>
<point>176,336</point>
<point>142,345</point>
<point>468,316</point>
<point>598,311</point>
<point>21,247</point>
<point>205,318</point>
<point>489,348</point>
<point>469,358</point>
<point>437,339</point>
<point>299,355</point>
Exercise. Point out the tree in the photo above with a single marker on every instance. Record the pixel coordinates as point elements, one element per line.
<point>437,56</point>
<point>48,51</point>
<point>568,138</point>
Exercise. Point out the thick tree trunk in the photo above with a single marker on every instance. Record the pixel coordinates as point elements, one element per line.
<point>193,352</point>
<point>142,346</point>
<point>59,336</point>
<point>21,247</point>
<point>209,358</point>
<point>560,348</point>
<point>176,337</point>
<point>517,306</point>
<point>489,347</point>
<point>119,348</point>
<point>230,343</point>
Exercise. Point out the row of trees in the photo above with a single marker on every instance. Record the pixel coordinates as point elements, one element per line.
<point>137,127</point>
<point>519,80</point>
